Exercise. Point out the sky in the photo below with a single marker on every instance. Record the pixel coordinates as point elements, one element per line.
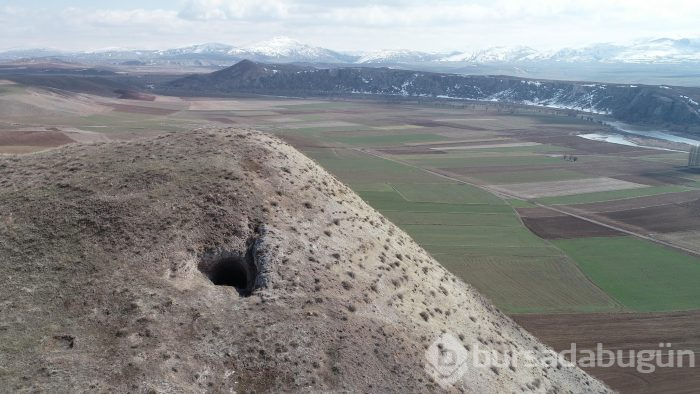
<point>351,25</point>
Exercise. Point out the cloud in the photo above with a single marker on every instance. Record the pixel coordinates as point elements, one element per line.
<point>120,18</point>
<point>397,12</point>
<point>205,10</point>
<point>349,24</point>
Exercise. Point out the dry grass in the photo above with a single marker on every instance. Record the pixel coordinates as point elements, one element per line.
<point>103,244</point>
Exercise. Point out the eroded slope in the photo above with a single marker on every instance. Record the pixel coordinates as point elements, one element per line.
<point>109,252</point>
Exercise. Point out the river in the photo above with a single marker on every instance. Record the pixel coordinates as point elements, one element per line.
<point>623,131</point>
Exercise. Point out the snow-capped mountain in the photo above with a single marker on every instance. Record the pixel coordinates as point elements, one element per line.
<point>201,49</point>
<point>494,55</point>
<point>286,49</point>
<point>405,56</point>
<point>590,54</point>
<point>14,54</point>
<point>662,50</point>
<point>116,53</point>
<point>655,51</point>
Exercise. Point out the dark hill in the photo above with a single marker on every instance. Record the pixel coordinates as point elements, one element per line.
<point>642,104</point>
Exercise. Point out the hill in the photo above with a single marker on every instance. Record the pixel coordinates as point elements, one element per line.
<point>224,260</point>
<point>642,104</point>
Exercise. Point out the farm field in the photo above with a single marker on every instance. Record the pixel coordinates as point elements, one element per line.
<point>488,190</point>
<point>473,233</point>
<point>548,224</point>
<point>642,276</point>
<point>625,332</point>
<point>586,198</point>
<point>566,264</point>
<point>532,190</point>
<point>485,243</point>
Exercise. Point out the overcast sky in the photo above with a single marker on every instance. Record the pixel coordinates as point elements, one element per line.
<point>343,25</point>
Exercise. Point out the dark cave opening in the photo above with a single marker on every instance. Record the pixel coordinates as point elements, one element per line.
<point>233,269</point>
<point>229,272</point>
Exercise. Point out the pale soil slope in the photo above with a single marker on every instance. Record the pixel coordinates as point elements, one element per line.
<point>101,289</point>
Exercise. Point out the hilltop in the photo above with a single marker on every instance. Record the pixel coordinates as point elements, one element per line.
<point>225,260</point>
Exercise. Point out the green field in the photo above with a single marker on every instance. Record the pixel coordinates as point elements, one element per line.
<point>479,238</point>
<point>357,168</point>
<point>506,177</point>
<point>381,140</point>
<point>475,234</point>
<point>453,219</point>
<point>315,107</point>
<point>642,276</point>
<point>514,150</point>
<point>451,193</point>
<point>392,201</point>
<point>433,237</point>
<point>515,203</point>
<point>611,195</point>
<point>483,161</point>
<point>521,284</point>
<point>329,131</point>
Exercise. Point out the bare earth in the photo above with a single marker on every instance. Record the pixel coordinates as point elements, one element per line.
<point>565,188</point>
<point>626,331</point>
<point>549,224</point>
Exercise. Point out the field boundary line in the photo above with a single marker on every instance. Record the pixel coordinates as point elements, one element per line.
<point>399,193</point>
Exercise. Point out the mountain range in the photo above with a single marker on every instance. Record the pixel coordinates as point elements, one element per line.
<point>643,104</point>
<point>287,50</point>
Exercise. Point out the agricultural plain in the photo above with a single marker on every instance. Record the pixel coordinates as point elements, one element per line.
<point>543,222</point>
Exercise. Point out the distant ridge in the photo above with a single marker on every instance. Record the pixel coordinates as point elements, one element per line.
<point>642,104</point>
<point>662,51</point>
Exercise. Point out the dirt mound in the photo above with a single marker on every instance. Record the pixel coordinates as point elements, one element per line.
<point>226,261</point>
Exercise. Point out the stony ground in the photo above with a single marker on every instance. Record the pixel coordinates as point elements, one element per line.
<point>111,252</point>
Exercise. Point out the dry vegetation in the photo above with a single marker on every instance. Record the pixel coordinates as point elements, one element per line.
<point>110,251</point>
